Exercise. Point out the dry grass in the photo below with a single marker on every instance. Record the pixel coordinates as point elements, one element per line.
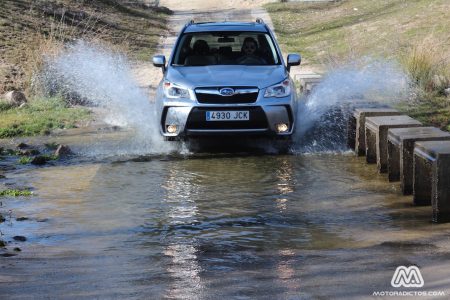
<point>383,27</point>
<point>413,32</point>
<point>44,47</point>
<point>428,64</point>
<point>31,29</point>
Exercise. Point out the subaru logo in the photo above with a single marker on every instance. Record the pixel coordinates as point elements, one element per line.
<point>226,92</point>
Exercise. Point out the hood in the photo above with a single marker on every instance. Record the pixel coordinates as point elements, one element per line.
<point>226,75</point>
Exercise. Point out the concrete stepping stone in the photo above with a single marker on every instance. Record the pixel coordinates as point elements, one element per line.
<point>360,115</point>
<point>400,152</point>
<point>352,106</point>
<point>376,137</point>
<point>432,177</point>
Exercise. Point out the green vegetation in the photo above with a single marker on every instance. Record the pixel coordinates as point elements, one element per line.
<point>413,32</point>
<point>15,193</point>
<point>40,116</point>
<point>25,160</point>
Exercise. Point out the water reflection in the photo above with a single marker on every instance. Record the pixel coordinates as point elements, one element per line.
<point>215,227</point>
<point>183,268</point>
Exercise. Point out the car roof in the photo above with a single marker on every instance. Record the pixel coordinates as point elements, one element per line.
<point>226,26</point>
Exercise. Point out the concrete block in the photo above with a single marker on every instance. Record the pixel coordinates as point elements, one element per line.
<point>400,152</point>
<point>351,106</point>
<point>433,158</point>
<point>308,81</point>
<point>359,117</point>
<point>376,137</point>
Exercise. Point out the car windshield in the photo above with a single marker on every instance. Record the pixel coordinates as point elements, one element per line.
<point>225,48</point>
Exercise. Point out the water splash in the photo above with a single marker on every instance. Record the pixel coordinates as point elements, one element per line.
<point>322,117</point>
<point>104,79</point>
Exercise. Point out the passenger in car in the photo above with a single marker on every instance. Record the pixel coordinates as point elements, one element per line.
<point>249,53</point>
<point>201,56</point>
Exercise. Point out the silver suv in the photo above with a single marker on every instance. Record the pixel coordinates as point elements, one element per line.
<point>226,78</point>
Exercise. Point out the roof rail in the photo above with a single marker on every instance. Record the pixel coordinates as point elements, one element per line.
<point>259,21</point>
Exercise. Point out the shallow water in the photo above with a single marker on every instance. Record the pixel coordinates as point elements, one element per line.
<point>217,226</point>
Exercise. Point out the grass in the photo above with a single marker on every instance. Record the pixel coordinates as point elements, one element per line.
<point>15,193</point>
<point>40,117</point>
<point>24,160</point>
<point>413,32</point>
<point>319,30</point>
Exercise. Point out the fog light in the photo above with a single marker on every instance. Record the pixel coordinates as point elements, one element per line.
<point>282,127</point>
<point>171,128</point>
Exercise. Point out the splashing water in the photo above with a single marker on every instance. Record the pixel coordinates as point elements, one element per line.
<point>322,117</point>
<point>105,79</point>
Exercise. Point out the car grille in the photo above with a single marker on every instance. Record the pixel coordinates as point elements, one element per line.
<point>197,119</point>
<point>243,94</point>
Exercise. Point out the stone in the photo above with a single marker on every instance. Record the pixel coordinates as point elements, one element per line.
<point>352,105</point>
<point>22,146</point>
<point>432,177</point>
<point>401,149</point>
<point>308,82</point>
<point>7,254</point>
<point>62,151</point>
<point>39,160</point>
<point>447,91</point>
<point>28,152</point>
<point>360,115</point>
<point>19,238</point>
<point>376,137</point>
<point>15,98</point>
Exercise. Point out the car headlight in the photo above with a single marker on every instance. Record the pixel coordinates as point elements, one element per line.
<point>172,90</point>
<point>279,90</point>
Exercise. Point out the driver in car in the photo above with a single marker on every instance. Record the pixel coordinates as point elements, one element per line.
<point>249,51</point>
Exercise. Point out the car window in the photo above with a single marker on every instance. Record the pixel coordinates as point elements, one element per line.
<point>225,48</point>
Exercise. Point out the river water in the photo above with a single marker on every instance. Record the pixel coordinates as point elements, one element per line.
<point>211,226</point>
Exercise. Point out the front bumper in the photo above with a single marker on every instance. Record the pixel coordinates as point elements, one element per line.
<point>190,118</point>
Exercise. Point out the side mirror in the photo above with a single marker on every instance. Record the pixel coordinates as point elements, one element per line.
<point>159,61</point>
<point>293,59</point>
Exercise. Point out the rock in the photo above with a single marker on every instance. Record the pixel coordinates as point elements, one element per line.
<point>62,151</point>
<point>2,219</point>
<point>2,176</point>
<point>17,249</point>
<point>22,146</point>
<point>39,160</point>
<point>20,219</point>
<point>8,254</point>
<point>2,243</point>
<point>19,238</point>
<point>447,91</point>
<point>29,152</point>
<point>15,98</point>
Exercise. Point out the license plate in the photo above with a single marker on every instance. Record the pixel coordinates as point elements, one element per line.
<point>242,115</point>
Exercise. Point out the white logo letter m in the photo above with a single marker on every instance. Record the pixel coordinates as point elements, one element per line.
<point>407,277</point>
